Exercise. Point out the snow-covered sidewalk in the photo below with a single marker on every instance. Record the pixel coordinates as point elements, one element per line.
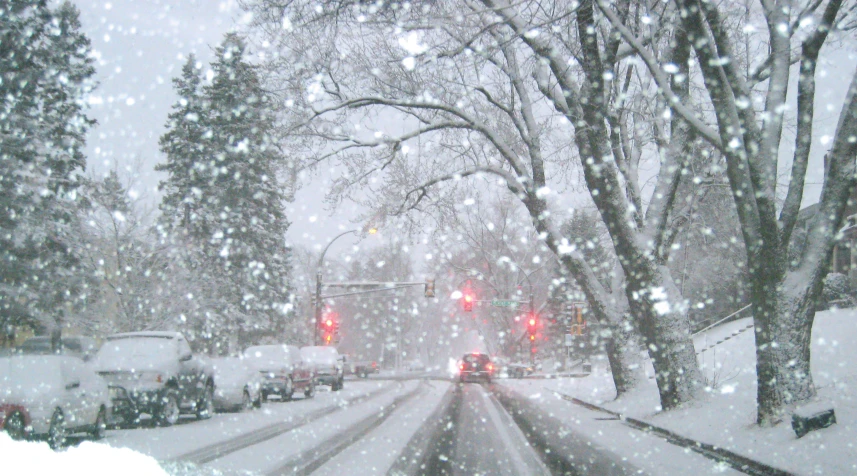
<point>725,416</point>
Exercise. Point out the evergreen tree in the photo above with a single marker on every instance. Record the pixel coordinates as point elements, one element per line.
<point>46,74</point>
<point>184,146</point>
<point>222,171</point>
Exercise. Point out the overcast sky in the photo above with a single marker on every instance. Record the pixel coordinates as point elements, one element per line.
<point>141,45</point>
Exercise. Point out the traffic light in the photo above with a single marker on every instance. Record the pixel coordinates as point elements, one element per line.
<point>429,288</point>
<point>468,302</point>
<point>532,326</point>
<point>329,325</point>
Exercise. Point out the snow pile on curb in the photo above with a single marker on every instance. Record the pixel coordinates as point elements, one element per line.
<point>92,459</point>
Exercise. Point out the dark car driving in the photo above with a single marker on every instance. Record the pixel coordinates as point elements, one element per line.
<point>475,366</point>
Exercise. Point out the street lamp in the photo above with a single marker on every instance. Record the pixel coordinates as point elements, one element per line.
<point>318,284</point>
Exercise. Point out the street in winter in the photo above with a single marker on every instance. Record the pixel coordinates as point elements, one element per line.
<point>456,237</point>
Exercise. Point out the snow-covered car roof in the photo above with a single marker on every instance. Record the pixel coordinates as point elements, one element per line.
<point>320,354</point>
<point>267,355</point>
<point>231,370</point>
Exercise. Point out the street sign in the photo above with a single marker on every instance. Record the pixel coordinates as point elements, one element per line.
<point>500,303</point>
<point>569,340</point>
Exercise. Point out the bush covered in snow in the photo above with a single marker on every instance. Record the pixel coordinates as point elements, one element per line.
<point>837,290</point>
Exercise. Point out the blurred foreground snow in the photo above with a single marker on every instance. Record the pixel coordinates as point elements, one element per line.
<point>91,459</point>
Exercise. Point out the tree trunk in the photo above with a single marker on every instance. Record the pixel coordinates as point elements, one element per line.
<point>783,339</point>
<point>623,355</point>
<point>666,333</point>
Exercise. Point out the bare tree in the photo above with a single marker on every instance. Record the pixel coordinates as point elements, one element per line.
<point>503,258</point>
<point>749,105</point>
<point>512,93</point>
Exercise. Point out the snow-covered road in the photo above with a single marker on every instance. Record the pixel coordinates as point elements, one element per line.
<point>402,426</point>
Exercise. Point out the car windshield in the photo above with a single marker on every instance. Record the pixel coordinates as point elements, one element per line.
<point>475,358</point>
<point>37,344</point>
<point>446,236</point>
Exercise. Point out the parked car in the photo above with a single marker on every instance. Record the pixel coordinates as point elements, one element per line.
<point>518,370</point>
<point>156,373</point>
<point>475,366</point>
<point>363,369</point>
<point>327,364</point>
<point>283,370</point>
<point>415,366</point>
<point>239,386</point>
<point>53,396</point>
<point>76,346</point>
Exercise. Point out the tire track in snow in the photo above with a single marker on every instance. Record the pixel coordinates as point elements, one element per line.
<point>311,459</point>
<point>215,451</point>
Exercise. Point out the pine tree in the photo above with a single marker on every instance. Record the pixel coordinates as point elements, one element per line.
<point>223,171</point>
<point>46,74</point>
<point>184,146</point>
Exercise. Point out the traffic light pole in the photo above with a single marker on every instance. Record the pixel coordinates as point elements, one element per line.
<point>318,285</point>
<point>317,319</point>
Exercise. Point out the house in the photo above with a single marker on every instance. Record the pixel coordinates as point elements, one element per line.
<point>844,259</point>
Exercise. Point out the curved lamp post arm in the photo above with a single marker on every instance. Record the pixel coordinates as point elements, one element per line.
<point>323,252</point>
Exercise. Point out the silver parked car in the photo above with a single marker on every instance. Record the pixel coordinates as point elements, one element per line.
<point>59,393</point>
<point>239,386</point>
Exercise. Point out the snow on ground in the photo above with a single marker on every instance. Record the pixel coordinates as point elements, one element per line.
<point>269,455</point>
<point>725,416</point>
<point>92,459</point>
<point>377,451</point>
<point>166,443</point>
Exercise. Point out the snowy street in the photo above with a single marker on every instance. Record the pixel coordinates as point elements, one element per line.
<point>409,424</point>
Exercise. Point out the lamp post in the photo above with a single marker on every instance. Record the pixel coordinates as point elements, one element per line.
<point>318,285</point>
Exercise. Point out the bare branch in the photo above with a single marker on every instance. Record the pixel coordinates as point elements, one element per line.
<point>660,78</point>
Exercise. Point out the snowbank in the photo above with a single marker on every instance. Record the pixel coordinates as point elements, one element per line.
<point>92,459</point>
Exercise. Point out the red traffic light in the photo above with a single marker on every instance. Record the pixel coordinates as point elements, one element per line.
<point>328,323</point>
<point>532,323</point>
<point>468,301</point>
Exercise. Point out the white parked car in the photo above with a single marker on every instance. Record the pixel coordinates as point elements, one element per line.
<point>60,394</point>
<point>327,364</point>
<point>239,386</point>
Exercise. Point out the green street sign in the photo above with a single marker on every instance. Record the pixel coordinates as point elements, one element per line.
<point>499,303</point>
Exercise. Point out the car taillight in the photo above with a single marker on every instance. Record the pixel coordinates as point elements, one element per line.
<point>490,367</point>
<point>461,366</point>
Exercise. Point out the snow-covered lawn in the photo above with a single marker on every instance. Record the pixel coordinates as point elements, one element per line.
<point>726,415</point>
